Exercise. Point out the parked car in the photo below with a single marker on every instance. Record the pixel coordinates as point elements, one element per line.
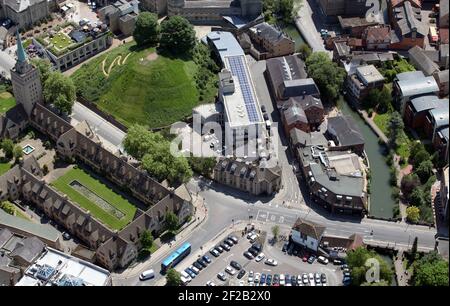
<point>66,236</point>
<point>256,277</point>
<point>305,278</point>
<point>311,277</point>
<point>225,246</point>
<point>214,252</point>
<point>260,257</point>
<point>222,276</point>
<point>234,239</point>
<point>251,276</point>
<point>346,281</point>
<point>294,281</point>
<point>344,266</point>
<point>210,284</point>
<point>322,260</point>
<point>241,274</point>
<point>257,246</point>
<point>235,265</point>
<point>253,238</point>
<point>276,280</point>
<point>197,265</point>
<point>282,280</point>
<point>347,274</point>
<point>190,273</point>
<point>202,262</point>
<point>228,242</point>
<point>250,234</point>
<point>269,280</point>
<point>271,262</point>
<point>262,279</point>
<point>219,249</point>
<point>186,275</point>
<point>206,258</point>
<point>337,262</point>
<point>253,251</point>
<point>248,255</point>
<point>311,259</point>
<point>263,108</point>
<point>317,278</point>
<point>148,274</point>
<point>265,116</point>
<point>230,270</point>
<point>323,278</point>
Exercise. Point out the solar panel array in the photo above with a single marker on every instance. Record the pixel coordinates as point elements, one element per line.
<point>238,69</point>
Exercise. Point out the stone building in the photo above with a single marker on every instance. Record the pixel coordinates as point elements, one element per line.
<point>269,41</point>
<point>120,16</point>
<point>113,249</point>
<point>25,12</point>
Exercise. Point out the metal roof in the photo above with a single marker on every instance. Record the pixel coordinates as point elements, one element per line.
<point>415,83</point>
<point>428,102</point>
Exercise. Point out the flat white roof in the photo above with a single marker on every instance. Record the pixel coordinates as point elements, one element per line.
<point>239,112</point>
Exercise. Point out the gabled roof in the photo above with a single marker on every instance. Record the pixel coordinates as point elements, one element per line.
<point>270,33</point>
<point>428,102</point>
<point>422,62</point>
<point>309,228</point>
<point>346,130</point>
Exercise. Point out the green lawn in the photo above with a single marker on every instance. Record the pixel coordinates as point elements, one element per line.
<point>153,92</point>
<point>4,167</point>
<point>7,101</point>
<point>101,190</point>
<point>382,121</point>
<point>61,41</point>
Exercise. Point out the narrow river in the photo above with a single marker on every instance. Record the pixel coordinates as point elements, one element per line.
<point>381,203</point>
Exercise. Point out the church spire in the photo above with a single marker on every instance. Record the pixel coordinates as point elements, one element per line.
<point>21,55</point>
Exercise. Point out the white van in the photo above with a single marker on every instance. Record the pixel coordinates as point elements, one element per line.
<point>147,275</point>
<point>186,276</point>
<point>184,281</point>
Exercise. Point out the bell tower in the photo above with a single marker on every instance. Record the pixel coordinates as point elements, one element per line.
<point>25,80</point>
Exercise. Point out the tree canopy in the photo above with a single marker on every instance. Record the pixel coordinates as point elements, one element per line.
<point>147,29</point>
<point>8,207</point>
<point>154,152</point>
<point>395,128</point>
<point>431,270</point>
<point>173,278</point>
<point>202,165</point>
<point>177,35</point>
<point>44,66</point>
<point>172,221</point>
<point>328,76</point>
<point>146,240</point>
<point>7,146</point>
<point>357,259</point>
<point>413,214</point>
<point>60,91</point>
<point>282,10</point>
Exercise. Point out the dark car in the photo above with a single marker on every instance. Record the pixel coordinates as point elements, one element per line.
<point>263,108</point>
<point>269,280</point>
<point>225,246</point>
<point>206,258</point>
<point>257,246</point>
<point>219,249</point>
<point>276,279</point>
<point>234,239</point>
<point>347,281</point>
<point>262,280</point>
<point>311,259</point>
<point>295,252</point>
<point>197,265</point>
<point>215,252</point>
<point>294,280</point>
<point>202,262</point>
<point>190,272</point>
<point>249,255</point>
<point>241,274</point>
<point>287,278</point>
<point>235,265</point>
<point>253,251</point>
<point>229,242</point>
<point>266,117</point>
<point>323,278</point>
<point>66,236</point>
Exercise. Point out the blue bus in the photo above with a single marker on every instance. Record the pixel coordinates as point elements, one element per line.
<point>176,257</point>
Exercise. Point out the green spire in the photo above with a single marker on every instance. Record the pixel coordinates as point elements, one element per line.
<point>21,55</point>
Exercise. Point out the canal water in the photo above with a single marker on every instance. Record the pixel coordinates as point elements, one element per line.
<point>292,31</point>
<point>381,203</point>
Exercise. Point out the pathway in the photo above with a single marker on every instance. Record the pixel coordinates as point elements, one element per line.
<point>402,275</point>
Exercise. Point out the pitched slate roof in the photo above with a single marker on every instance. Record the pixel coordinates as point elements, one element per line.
<point>346,130</point>
<point>270,33</point>
<point>422,62</point>
<point>309,228</point>
<point>428,102</point>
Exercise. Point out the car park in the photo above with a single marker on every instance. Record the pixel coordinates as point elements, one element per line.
<point>222,276</point>
<point>235,265</point>
<point>230,270</point>
<point>214,252</point>
<point>248,255</point>
<point>241,274</point>
<point>271,262</point>
<point>148,274</point>
<point>260,257</point>
<point>197,265</point>
<point>206,258</point>
<point>322,260</point>
<point>311,259</point>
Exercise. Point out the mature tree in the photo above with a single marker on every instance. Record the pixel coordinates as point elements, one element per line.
<point>8,148</point>
<point>431,270</point>
<point>172,221</point>
<point>177,35</point>
<point>395,128</point>
<point>44,66</point>
<point>154,152</point>
<point>414,247</point>
<point>328,76</point>
<point>278,9</point>
<point>286,10</point>
<point>413,214</point>
<point>173,278</point>
<point>146,240</point>
<point>275,231</point>
<point>304,50</point>
<point>60,91</point>
<point>417,197</point>
<point>203,165</point>
<point>357,260</point>
<point>18,152</point>
<point>146,31</point>
<point>425,170</point>
<point>372,99</point>
<point>385,102</point>
<point>409,183</point>
<point>8,207</point>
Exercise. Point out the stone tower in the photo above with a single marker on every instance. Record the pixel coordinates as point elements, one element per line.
<point>25,80</point>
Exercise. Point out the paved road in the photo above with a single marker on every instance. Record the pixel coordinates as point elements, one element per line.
<point>105,130</point>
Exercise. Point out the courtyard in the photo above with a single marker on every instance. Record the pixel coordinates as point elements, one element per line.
<point>91,193</point>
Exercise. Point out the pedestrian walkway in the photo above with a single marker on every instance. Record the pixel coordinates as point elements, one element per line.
<point>402,275</point>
